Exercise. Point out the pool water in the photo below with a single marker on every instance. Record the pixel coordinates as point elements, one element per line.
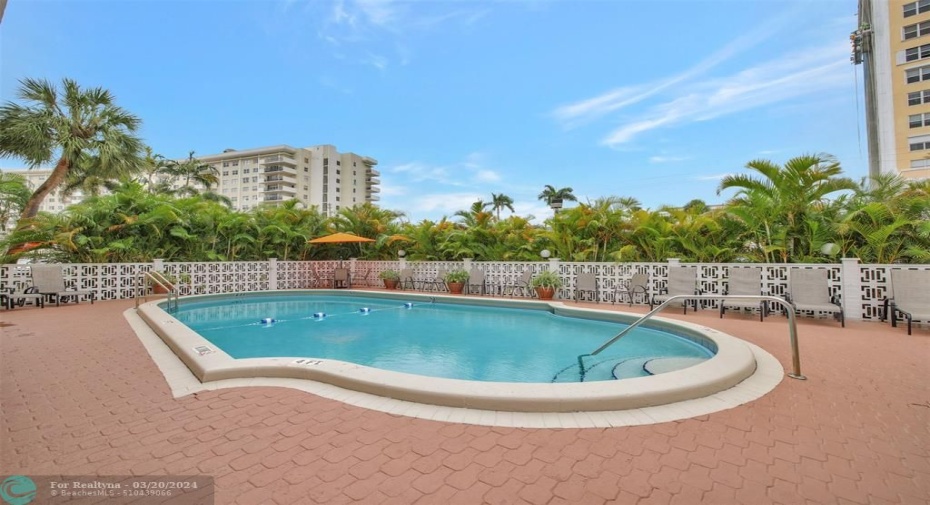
<point>430,339</point>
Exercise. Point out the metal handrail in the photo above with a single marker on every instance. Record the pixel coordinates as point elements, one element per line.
<point>792,325</point>
<point>159,279</point>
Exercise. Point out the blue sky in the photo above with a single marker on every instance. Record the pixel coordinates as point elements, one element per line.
<point>458,99</point>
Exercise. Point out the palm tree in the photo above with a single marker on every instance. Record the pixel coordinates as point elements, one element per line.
<point>555,197</point>
<point>76,125</point>
<point>190,174</point>
<point>14,193</point>
<point>499,202</point>
<point>793,192</point>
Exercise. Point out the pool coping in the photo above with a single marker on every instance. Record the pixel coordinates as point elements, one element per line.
<point>730,370</point>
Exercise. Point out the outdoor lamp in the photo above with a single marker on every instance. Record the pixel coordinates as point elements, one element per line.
<point>545,253</point>
<point>401,253</point>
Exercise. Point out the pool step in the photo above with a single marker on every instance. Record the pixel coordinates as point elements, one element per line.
<point>664,365</point>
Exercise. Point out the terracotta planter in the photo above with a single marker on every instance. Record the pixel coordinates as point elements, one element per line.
<point>391,283</point>
<point>158,289</point>
<point>456,288</point>
<point>545,293</point>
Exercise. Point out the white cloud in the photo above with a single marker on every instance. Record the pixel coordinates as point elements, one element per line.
<point>366,25</point>
<point>667,159</point>
<point>714,177</point>
<point>468,172</point>
<point>788,77</point>
<point>445,203</point>
<point>592,108</point>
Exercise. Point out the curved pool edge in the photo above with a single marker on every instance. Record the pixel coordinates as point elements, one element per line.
<point>733,363</point>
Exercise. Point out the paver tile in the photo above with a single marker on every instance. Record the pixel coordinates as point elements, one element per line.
<point>100,405</point>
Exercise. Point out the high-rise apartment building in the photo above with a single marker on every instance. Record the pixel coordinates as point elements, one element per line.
<point>892,43</point>
<point>316,175</point>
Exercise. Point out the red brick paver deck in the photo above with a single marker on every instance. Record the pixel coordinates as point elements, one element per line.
<point>81,396</point>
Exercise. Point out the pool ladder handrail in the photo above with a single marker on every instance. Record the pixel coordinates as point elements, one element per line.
<point>789,309</point>
<point>158,279</point>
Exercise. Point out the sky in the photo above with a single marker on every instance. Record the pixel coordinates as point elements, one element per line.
<point>458,99</point>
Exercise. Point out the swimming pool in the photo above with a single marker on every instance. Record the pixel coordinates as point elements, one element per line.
<point>433,339</point>
<point>209,361</point>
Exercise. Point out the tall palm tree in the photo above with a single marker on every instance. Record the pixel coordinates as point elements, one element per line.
<point>499,202</point>
<point>554,197</point>
<point>793,191</point>
<point>72,125</point>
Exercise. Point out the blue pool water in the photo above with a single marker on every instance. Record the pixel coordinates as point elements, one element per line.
<point>431,339</point>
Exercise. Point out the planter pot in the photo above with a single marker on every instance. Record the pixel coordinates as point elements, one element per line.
<point>158,289</point>
<point>545,293</point>
<point>456,288</point>
<point>390,283</point>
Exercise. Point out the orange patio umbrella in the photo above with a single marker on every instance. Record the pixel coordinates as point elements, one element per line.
<point>340,238</point>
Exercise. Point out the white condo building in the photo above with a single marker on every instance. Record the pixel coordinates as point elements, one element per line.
<point>316,176</point>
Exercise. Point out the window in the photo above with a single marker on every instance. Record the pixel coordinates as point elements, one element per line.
<point>918,120</point>
<point>918,74</point>
<point>916,30</point>
<point>254,178</point>
<point>235,163</point>
<point>225,173</point>
<point>917,53</point>
<point>325,162</point>
<point>920,145</point>
<point>925,163</point>
<point>306,169</point>
<point>338,163</point>
<point>338,171</point>
<point>914,8</point>
<point>225,164</point>
<point>235,172</point>
<point>234,199</point>
<point>918,97</point>
<point>306,160</point>
<point>245,170</point>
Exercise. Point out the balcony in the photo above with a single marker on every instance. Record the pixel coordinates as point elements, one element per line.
<point>278,159</point>
<point>280,169</point>
<point>280,188</point>
<point>373,189</point>
<point>374,198</point>
<point>373,180</point>
<point>373,173</point>
<point>273,198</point>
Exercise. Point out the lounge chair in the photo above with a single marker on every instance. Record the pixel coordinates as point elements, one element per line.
<point>638,285</point>
<point>681,281</point>
<point>910,296</point>
<point>476,279</point>
<point>808,290</point>
<point>437,283</point>
<point>586,283</point>
<point>407,280</point>
<point>49,280</point>
<point>521,285</point>
<point>744,282</point>
<point>15,298</point>
<point>341,278</point>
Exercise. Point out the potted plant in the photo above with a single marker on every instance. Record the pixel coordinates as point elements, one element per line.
<point>390,277</point>
<point>173,281</point>
<point>456,280</point>
<point>545,283</point>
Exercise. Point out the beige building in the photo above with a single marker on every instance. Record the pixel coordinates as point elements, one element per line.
<point>316,176</point>
<point>892,43</point>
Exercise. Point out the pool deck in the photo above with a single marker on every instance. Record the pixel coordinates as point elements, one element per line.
<point>80,395</point>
